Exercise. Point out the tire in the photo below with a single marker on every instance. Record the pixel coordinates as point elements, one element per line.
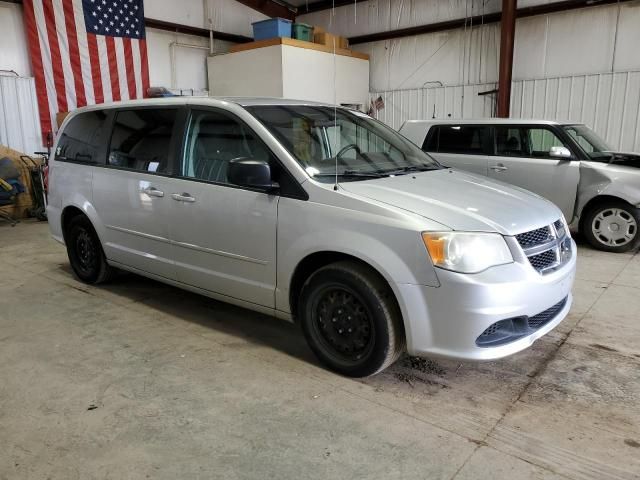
<point>85,252</point>
<point>350,319</point>
<point>612,226</point>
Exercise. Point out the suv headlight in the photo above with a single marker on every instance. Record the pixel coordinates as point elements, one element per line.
<point>466,252</point>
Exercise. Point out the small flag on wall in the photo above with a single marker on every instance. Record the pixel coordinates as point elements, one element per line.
<point>85,52</point>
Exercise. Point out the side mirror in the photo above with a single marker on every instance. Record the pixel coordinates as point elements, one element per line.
<point>252,173</point>
<point>560,152</point>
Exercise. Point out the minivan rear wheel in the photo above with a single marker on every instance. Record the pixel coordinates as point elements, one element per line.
<point>85,252</point>
<point>350,319</point>
<point>612,226</point>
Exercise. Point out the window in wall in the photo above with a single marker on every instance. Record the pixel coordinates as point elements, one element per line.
<point>81,140</point>
<point>466,139</point>
<point>141,139</point>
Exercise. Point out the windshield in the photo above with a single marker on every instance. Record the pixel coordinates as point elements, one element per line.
<point>589,140</point>
<point>319,137</point>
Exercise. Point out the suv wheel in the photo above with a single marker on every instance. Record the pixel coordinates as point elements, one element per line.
<point>612,226</point>
<point>85,252</point>
<point>351,320</point>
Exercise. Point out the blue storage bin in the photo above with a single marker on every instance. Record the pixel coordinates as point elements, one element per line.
<point>271,28</point>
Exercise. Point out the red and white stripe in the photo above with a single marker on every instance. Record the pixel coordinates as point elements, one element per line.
<point>73,68</point>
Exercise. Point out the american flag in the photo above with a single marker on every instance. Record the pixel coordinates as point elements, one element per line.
<point>85,52</point>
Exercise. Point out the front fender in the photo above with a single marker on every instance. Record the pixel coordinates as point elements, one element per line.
<point>607,179</point>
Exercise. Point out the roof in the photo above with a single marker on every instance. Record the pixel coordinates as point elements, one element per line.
<point>242,101</point>
<point>493,121</point>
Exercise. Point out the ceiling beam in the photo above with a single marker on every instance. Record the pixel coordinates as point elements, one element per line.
<point>481,19</point>
<point>325,5</point>
<point>271,8</point>
<point>197,31</point>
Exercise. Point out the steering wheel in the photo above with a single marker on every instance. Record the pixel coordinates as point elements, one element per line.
<point>346,148</point>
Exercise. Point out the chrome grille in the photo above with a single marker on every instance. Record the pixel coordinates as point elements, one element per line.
<point>547,248</point>
<point>543,260</point>
<point>534,237</point>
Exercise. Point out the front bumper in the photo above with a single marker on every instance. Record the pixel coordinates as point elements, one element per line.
<point>446,321</point>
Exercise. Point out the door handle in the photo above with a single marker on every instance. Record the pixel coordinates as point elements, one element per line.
<point>153,192</point>
<point>499,168</point>
<point>183,197</point>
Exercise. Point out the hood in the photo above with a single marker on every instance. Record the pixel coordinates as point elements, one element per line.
<point>461,201</point>
<point>628,159</point>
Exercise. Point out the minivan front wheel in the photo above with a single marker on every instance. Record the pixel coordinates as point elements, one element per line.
<point>613,226</point>
<point>85,252</point>
<point>350,319</point>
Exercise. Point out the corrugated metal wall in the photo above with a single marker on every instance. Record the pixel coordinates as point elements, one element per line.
<point>19,125</point>
<point>607,102</point>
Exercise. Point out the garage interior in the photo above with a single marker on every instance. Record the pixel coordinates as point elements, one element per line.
<point>138,379</point>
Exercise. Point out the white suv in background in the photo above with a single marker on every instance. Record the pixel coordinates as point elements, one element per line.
<point>597,189</point>
<point>316,214</point>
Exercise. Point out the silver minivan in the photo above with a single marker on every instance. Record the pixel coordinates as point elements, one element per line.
<point>597,188</point>
<point>315,214</point>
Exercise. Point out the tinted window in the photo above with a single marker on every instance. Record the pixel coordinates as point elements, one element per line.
<point>511,142</point>
<point>526,141</point>
<point>81,139</point>
<point>141,139</point>
<point>467,139</point>
<point>214,140</point>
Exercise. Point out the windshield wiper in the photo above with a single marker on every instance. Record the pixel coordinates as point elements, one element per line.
<point>353,173</point>
<point>409,169</point>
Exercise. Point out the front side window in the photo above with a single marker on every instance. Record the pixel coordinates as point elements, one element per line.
<point>81,139</point>
<point>463,139</point>
<point>325,140</point>
<point>531,142</point>
<point>214,139</point>
<point>141,139</point>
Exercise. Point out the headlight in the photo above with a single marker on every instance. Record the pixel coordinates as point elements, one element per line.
<point>466,252</point>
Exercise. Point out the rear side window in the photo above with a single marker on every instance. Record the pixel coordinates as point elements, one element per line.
<point>141,139</point>
<point>81,139</point>
<point>465,139</point>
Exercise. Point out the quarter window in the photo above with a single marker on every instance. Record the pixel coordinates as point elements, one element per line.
<point>214,140</point>
<point>81,139</point>
<point>141,139</point>
<point>465,139</point>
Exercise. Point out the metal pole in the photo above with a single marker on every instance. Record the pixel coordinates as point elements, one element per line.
<point>507,35</point>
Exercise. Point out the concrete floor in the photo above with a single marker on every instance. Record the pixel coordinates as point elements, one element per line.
<point>140,380</point>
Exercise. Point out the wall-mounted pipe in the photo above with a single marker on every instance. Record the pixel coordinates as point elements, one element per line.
<point>172,53</point>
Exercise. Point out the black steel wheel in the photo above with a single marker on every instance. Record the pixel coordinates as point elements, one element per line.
<point>85,252</point>
<point>350,319</point>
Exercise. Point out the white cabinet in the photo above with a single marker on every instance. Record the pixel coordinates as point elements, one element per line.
<point>291,69</point>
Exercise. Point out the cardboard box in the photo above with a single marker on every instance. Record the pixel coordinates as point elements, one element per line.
<point>325,38</point>
<point>343,42</point>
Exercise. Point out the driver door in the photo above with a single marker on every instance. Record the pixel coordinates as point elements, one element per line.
<point>522,157</point>
<point>224,235</point>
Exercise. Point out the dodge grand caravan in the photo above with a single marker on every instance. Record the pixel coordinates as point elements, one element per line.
<point>316,214</point>
<point>597,189</point>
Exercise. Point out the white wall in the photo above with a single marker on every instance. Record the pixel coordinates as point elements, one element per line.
<point>13,42</point>
<point>589,40</point>
<point>226,16</point>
